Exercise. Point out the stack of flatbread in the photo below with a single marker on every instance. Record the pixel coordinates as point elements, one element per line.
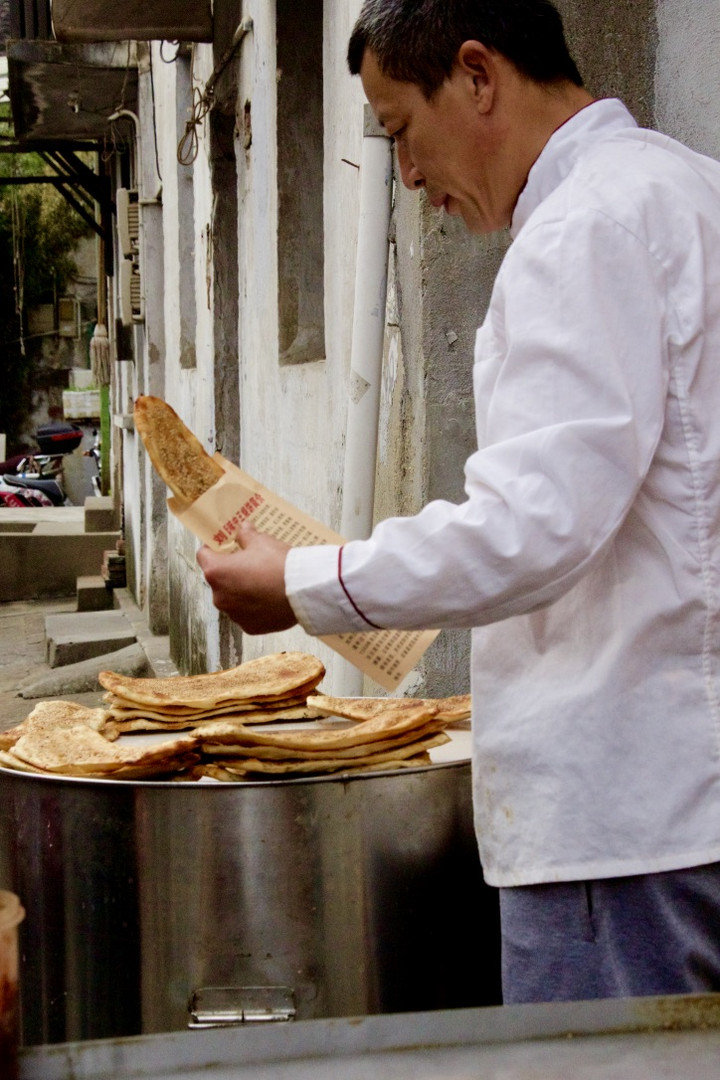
<point>268,689</point>
<point>386,733</point>
<point>66,739</point>
<point>352,735</point>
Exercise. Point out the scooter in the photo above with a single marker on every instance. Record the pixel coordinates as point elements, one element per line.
<point>35,479</point>
<point>18,491</point>
<point>42,466</point>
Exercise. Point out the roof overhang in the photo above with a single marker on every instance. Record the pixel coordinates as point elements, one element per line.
<point>140,20</point>
<point>67,92</point>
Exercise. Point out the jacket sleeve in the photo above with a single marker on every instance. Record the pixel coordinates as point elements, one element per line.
<point>571,374</point>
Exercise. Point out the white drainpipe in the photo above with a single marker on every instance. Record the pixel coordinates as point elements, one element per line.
<point>368,338</point>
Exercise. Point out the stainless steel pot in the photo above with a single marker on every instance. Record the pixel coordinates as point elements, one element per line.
<point>151,906</point>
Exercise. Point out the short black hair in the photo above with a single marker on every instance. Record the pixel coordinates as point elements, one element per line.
<point>417,41</point>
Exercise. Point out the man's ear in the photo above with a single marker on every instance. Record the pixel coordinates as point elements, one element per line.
<point>478,63</point>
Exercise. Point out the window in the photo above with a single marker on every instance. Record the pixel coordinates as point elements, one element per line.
<point>300,182</point>
<point>186,221</point>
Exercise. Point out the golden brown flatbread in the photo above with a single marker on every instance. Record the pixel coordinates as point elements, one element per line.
<point>403,758</point>
<point>9,761</point>
<point>263,716</point>
<point>387,758</point>
<point>289,708</point>
<point>389,723</point>
<point>56,713</point>
<point>449,709</point>
<point>177,455</point>
<point>122,708</point>
<point>286,753</point>
<point>455,708</point>
<point>264,680</point>
<point>63,738</point>
<point>74,749</point>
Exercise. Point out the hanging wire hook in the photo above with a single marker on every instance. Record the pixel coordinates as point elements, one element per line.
<point>188,146</point>
<point>203,100</point>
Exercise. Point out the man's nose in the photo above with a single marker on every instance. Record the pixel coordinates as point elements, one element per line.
<point>411,177</point>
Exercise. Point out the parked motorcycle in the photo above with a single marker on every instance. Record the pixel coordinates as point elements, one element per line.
<point>40,465</point>
<point>18,491</point>
<point>36,479</point>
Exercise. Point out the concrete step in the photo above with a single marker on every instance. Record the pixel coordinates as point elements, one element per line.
<point>156,647</point>
<point>100,514</point>
<point>82,677</point>
<point>93,593</point>
<point>78,636</point>
<point>48,554</point>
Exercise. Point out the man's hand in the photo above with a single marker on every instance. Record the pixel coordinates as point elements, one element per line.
<point>249,584</point>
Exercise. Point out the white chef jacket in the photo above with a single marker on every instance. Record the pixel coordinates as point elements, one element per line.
<point>586,555</point>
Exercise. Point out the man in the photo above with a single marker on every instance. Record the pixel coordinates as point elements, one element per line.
<point>586,556</point>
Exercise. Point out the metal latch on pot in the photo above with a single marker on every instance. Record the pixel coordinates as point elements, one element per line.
<point>224,1006</point>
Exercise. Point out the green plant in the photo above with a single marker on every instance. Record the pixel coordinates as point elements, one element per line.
<point>39,231</point>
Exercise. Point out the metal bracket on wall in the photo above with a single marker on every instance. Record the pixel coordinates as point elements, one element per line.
<point>70,173</point>
<point>79,185</point>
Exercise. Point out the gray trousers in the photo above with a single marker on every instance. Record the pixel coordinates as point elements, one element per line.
<point>616,937</point>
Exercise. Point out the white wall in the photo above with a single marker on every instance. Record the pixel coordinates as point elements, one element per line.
<point>292,417</point>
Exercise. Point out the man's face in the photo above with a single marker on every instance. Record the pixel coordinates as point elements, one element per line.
<point>447,145</point>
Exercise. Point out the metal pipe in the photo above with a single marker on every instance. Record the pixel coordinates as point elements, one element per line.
<point>368,334</point>
<point>368,338</point>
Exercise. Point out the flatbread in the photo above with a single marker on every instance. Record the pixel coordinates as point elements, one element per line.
<point>263,716</point>
<point>72,747</point>
<point>9,761</point>
<point>392,721</point>
<point>67,739</point>
<point>450,709</point>
<point>387,760</point>
<point>75,749</point>
<point>263,680</point>
<point>284,753</point>
<point>177,455</point>
<point>56,713</point>
<point>455,708</point>
<point>290,708</point>
<point>230,773</point>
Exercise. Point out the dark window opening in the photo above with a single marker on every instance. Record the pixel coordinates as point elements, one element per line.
<point>300,182</point>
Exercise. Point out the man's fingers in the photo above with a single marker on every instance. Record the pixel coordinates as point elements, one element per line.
<point>204,556</point>
<point>248,584</point>
<point>207,558</point>
<point>245,533</point>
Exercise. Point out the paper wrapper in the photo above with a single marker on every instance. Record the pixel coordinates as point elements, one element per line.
<point>385,655</point>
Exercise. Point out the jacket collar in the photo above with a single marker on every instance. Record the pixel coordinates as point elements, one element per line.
<point>599,120</point>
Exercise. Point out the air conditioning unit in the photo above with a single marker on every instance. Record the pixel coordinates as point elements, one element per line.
<point>128,221</point>
<point>130,281</point>
<point>130,290</point>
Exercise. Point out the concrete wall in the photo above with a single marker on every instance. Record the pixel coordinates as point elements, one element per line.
<point>210,342</point>
<point>292,416</point>
<point>687,72</point>
<point>47,559</point>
